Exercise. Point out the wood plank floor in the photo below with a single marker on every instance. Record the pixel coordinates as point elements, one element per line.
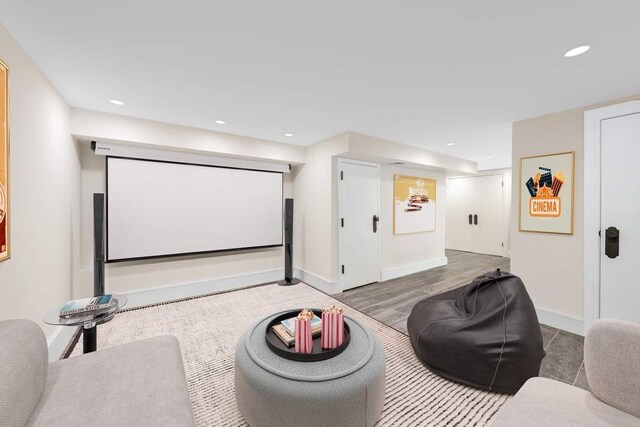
<point>391,302</point>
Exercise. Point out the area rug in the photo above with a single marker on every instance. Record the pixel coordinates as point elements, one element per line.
<point>208,329</point>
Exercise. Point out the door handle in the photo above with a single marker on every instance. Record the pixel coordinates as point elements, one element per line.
<point>611,242</point>
<point>475,219</point>
<point>470,219</point>
<point>375,223</point>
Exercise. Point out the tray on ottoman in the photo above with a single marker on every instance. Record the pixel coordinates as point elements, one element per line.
<point>276,345</point>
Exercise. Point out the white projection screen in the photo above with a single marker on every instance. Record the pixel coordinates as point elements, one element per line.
<point>159,208</point>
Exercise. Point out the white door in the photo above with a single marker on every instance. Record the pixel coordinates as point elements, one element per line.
<point>475,214</point>
<point>487,229</point>
<point>357,227</point>
<point>459,209</point>
<point>620,208</point>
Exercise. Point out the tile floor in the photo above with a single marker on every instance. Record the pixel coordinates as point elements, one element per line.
<point>391,302</point>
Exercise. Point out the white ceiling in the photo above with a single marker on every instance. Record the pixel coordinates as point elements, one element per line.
<point>421,72</point>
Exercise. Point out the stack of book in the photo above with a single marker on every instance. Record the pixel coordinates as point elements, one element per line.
<point>286,330</point>
<point>86,306</point>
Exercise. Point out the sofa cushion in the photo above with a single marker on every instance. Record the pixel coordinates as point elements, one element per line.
<point>23,370</point>
<point>545,402</point>
<point>612,363</point>
<point>141,383</point>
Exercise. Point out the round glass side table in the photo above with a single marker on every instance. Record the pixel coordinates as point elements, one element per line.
<point>88,322</point>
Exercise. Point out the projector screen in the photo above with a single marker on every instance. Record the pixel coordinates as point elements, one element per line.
<point>159,208</point>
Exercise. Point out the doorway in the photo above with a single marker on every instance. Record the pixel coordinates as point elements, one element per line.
<point>358,194</point>
<point>612,232</point>
<point>475,220</point>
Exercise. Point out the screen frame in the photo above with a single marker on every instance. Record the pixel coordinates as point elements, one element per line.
<point>108,260</point>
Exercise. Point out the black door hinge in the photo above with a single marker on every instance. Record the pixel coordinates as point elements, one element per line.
<point>342,222</point>
<point>341,175</point>
<point>503,244</point>
<point>342,268</point>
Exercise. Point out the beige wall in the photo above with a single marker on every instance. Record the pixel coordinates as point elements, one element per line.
<point>45,194</point>
<point>406,250</point>
<point>552,266</point>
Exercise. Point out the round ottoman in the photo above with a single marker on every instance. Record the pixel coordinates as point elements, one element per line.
<point>346,390</point>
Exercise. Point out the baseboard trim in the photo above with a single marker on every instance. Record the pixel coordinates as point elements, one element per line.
<point>170,293</point>
<point>562,321</point>
<point>395,272</point>
<point>319,282</point>
<point>58,341</point>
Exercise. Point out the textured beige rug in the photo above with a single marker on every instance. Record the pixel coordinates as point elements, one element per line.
<point>208,329</point>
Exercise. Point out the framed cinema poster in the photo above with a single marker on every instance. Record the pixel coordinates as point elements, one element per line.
<point>4,162</point>
<point>546,193</point>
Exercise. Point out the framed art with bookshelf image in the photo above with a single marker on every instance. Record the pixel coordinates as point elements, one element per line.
<point>546,193</point>
<point>5,251</point>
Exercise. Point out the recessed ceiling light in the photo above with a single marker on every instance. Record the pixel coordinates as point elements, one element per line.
<point>288,134</point>
<point>221,122</point>
<point>489,157</point>
<point>577,51</point>
<point>117,102</point>
<point>451,144</point>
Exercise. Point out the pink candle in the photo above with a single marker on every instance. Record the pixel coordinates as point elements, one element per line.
<point>332,327</point>
<point>303,338</point>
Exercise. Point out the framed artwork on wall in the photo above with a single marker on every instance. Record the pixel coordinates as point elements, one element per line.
<point>4,162</point>
<point>546,193</point>
<point>414,204</point>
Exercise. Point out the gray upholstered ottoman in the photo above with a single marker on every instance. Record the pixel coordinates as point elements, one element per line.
<point>347,390</point>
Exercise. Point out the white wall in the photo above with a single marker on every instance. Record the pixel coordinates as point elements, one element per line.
<point>409,253</point>
<point>316,211</point>
<point>164,272</point>
<point>53,179</point>
<point>87,125</point>
<point>371,148</point>
<point>45,194</point>
<point>313,185</point>
<point>237,268</point>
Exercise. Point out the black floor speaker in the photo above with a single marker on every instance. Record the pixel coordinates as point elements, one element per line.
<point>288,245</point>
<point>98,240</point>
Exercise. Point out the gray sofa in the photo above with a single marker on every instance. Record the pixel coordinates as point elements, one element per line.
<point>612,363</point>
<point>137,384</point>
